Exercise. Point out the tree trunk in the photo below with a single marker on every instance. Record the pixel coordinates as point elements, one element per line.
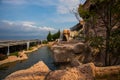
<point>107,48</point>
<point>108,30</point>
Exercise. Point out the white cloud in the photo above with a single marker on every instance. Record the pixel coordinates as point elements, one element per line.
<point>62,6</point>
<point>8,22</point>
<point>26,25</point>
<point>47,28</point>
<point>23,28</point>
<point>28,22</point>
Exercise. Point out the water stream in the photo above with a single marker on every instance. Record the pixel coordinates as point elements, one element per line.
<point>44,54</point>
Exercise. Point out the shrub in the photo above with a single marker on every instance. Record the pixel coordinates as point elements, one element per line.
<point>14,54</point>
<point>44,42</point>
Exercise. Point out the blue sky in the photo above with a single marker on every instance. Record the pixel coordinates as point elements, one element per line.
<point>31,19</point>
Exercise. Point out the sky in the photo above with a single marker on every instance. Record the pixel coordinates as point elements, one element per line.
<point>33,19</point>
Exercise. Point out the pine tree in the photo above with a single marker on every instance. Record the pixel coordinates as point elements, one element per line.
<point>49,36</point>
<point>56,35</point>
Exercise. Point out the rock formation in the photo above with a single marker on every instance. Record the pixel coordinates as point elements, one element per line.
<point>40,71</point>
<point>84,72</point>
<point>62,53</point>
<point>36,72</point>
<point>74,53</point>
<point>67,52</point>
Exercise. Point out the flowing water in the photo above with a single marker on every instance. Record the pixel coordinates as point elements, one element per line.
<point>44,54</point>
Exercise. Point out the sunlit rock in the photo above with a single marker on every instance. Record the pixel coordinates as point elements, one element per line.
<point>84,72</point>
<point>36,72</point>
<point>63,53</point>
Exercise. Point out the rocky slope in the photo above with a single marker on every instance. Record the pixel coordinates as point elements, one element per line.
<point>88,71</point>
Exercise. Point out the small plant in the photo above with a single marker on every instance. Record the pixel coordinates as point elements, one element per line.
<point>44,42</point>
<point>14,54</point>
<point>30,48</point>
<point>96,42</point>
<point>53,37</point>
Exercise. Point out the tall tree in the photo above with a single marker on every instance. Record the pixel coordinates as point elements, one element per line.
<point>108,11</point>
<point>49,36</point>
<point>56,35</point>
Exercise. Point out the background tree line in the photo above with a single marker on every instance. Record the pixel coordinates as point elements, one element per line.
<point>53,37</point>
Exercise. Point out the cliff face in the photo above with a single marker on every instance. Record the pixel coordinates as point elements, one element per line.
<point>96,17</point>
<point>101,22</point>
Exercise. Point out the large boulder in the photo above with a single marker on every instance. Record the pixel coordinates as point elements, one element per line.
<point>36,72</point>
<point>76,53</point>
<point>67,52</point>
<point>79,48</point>
<point>62,53</point>
<point>84,72</point>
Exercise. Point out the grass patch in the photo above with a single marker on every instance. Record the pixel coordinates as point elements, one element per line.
<point>14,54</point>
<point>30,48</point>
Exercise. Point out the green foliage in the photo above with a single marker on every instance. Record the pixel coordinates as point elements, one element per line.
<point>96,42</point>
<point>109,6</point>
<point>83,13</point>
<point>115,39</point>
<point>14,54</point>
<point>115,42</point>
<point>56,35</point>
<point>53,37</point>
<point>49,37</point>
<point>109,12</point>
<point>44,42</point>
<point>30,48</point>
